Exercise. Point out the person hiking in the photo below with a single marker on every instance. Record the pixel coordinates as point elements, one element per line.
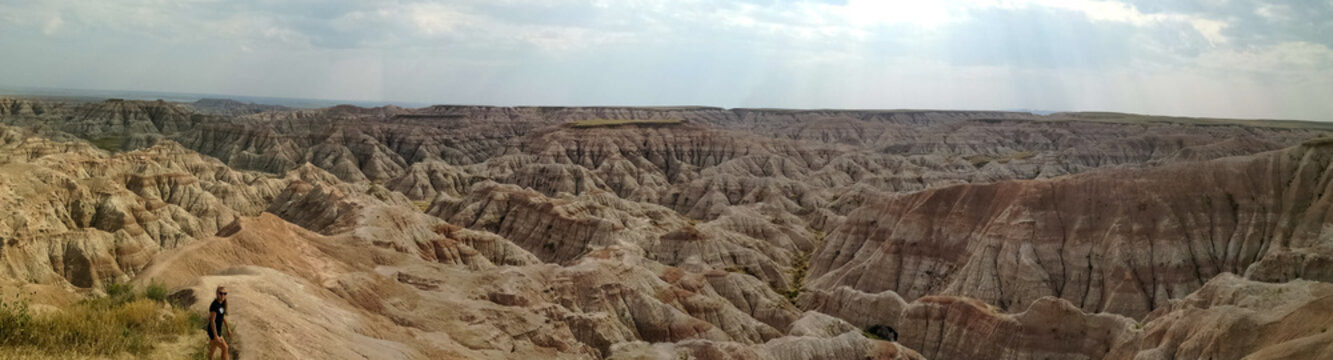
<point>217,321</point>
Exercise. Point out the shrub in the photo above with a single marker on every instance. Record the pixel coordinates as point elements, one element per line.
<point>98,326</point>
<point>14,319</point>
<point>119,292</point>
<point>156,292</point>
<point>881,332</point>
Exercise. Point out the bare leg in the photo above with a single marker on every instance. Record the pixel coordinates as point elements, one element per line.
<point>218,344</point>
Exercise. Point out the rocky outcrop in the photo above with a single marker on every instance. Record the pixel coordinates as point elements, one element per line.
<point>372,216</point>
<point>539,232</point>
<point>845,346</point>
<point>11,107</point>
<point>583,310</point>
<point>1232,318</point>
<point>73,214</point>
<point>121,118</point>
<point>947,327</point>
<point>426,180</point>
<point>757,241</point>
<point>1227,318</point>
<point>555,229</point>
<point>1124,242</point>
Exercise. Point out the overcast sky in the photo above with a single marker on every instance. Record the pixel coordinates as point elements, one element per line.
<point>1225,58</point>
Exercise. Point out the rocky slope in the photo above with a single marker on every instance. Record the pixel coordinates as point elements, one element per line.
<point>1124,241</point>
<point>540,232</point>
<point>73,213</point>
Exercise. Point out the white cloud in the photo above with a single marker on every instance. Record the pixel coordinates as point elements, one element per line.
<point>53,25</point>
<point>801,53</point>
<point>1302,59</point>
<point>1274,12</point>
<point>879,12</point>
<point>1115,11</point>
<point>435,19</point>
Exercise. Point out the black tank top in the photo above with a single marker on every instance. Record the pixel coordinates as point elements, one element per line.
<point>221,309</point>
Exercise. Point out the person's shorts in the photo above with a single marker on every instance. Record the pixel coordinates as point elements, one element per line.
<point>211,335</point>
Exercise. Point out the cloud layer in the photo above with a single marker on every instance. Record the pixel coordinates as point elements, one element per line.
<point>1229,58</point>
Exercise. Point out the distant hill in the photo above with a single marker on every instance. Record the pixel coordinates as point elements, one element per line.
<point>229,107</point>
<point>98,95</point>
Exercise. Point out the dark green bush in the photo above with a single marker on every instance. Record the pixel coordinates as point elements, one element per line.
<point>156,292</point>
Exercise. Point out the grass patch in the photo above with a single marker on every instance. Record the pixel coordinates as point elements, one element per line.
<point>122,322</point>
<point>423,205</point>
<point>797,277</point>
<point>1319,141</point>
<point>108,143</point>
<point>156,292</point>
<point>608,122</point>
<point>798,272</point>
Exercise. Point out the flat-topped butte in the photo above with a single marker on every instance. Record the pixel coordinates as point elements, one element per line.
<point>616,122</point>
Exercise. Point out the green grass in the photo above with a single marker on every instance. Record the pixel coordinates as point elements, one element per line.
<point>156,292</point>
<point>108,143</point>
<point>797,278</point>
<point>798,272</point>
<point>1319,141</point>
<point>607,122</point>
<point>122,322</point>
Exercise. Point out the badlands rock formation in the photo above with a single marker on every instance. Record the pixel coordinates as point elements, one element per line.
<point>1123,242</point>
<point>539,232</point>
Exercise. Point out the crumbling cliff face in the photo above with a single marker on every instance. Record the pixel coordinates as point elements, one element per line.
<point>1227,318</point>
<point>73,213</point>
<point>1123,242</point>
<point>890,150</point>
<point>539,232</point>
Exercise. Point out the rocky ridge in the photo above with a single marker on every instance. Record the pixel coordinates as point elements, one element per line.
<point>493,232</point>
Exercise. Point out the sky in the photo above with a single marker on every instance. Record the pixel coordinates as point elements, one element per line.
<point>1216,58</point>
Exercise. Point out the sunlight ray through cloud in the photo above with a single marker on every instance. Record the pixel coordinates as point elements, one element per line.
<point>771,53</point>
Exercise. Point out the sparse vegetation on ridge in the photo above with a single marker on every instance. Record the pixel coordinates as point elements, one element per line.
<point>121,323</point>
<point>798,271</point>
<point>611,122</point>
<point>1319,141</point>
<point>982,160</point>
<point>108,143</point>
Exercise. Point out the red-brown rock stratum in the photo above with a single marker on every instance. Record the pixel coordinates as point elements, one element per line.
<point>476,232</point>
